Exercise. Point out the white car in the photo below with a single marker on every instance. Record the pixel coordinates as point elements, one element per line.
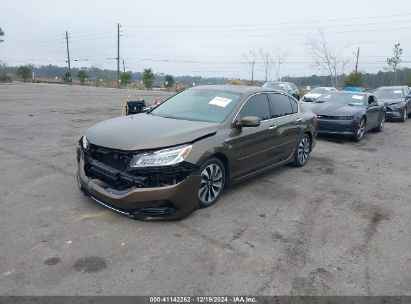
<point>317,92</point>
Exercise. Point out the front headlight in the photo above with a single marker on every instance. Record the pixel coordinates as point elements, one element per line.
<point>164,157</point>
<point>397,106</point>
<point>84,143</point>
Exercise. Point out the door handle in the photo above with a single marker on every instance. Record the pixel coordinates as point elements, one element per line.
<point>299,120</point>
<point>273,127</point>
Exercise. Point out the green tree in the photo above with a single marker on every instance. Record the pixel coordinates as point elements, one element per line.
<point>126,78</point>
<point>394,61</point>
<point>148,78</point>
<point>1,34</point>
<point>82,76</point>
<point>67,77</point>
<point>169,81</point>
<point>4,77</point>
<point>24,73</point>
<point>407,78</point>
<point>354,80</point>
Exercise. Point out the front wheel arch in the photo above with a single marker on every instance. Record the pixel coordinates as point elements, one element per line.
<point>210,175</point>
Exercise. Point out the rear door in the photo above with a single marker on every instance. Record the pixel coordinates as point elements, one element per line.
<point>251,147</point>
<point>287,124</point>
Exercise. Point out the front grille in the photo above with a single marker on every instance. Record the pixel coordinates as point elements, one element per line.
<point>327,117</point>
<point>112,158</point>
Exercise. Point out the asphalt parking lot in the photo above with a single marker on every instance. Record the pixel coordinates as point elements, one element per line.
<point>338,226</point>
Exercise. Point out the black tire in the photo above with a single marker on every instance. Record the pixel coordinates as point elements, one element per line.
<point>380,126</point>
<point>302,151</point>
<point>404,116</point>
<point>213,182</point>
<point>360,131</point>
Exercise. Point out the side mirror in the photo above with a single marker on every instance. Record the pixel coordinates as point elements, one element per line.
<point>249,121</point>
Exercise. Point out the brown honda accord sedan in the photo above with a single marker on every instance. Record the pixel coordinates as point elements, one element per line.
<point>181,155</point>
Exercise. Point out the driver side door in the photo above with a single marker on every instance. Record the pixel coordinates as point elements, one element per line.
<point>373,111</point>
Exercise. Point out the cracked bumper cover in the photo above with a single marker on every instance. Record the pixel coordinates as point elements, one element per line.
<point>139,202</point>
<point>394,114</point>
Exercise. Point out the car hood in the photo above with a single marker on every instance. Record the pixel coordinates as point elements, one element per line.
<point>333,109</point>
<point>145,131</point>
<point>391,101</point>
<point>312,95</point>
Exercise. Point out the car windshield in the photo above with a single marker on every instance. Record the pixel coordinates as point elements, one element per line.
<point>199,105</point>
<point>277,86</point>
<point>349,99</point>
<point>388,93</point>
<point>319,90</point>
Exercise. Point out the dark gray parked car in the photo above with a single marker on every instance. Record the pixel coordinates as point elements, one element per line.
<point>397,100</point>
<point>348,113</point>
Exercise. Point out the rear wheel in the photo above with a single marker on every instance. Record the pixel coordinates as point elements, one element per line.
<point>302,151</point>
<point>212,183</point>
<point>359,133</point>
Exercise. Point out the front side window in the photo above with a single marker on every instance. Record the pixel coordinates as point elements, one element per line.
<point>257,106</point>
<point>280,105</point>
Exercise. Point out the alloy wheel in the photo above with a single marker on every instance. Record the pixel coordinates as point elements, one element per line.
<point>361,129</point>
<point>212,183</point>
<point>303,150</point>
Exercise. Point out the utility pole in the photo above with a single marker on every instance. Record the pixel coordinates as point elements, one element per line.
<point>118,54</point>
<point>68,57</point>
<point>358,56</point>
<point>124,67</point>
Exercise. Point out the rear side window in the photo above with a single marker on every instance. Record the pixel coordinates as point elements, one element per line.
<point>294,105</point>
<point>257,106</point>
<point>280,105</point>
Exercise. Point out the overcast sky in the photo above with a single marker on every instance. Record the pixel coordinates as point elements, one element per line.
<point>207,38</point>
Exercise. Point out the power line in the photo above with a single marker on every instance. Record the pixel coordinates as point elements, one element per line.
<point>219,30</point>
<point>281,23</point>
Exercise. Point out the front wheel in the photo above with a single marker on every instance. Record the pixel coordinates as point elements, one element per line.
<point>302,151</point>
<point>359,133</point>
<point>212,183</point>
<point>404,115</point>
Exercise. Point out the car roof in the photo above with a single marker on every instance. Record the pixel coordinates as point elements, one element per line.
<point>391,87</point>
<point>350,92</point>
<point>280,82</point>
<point>236,89</point>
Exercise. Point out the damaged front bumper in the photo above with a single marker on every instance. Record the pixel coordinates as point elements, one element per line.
<point>168,202</point>
<point>394,114</point>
